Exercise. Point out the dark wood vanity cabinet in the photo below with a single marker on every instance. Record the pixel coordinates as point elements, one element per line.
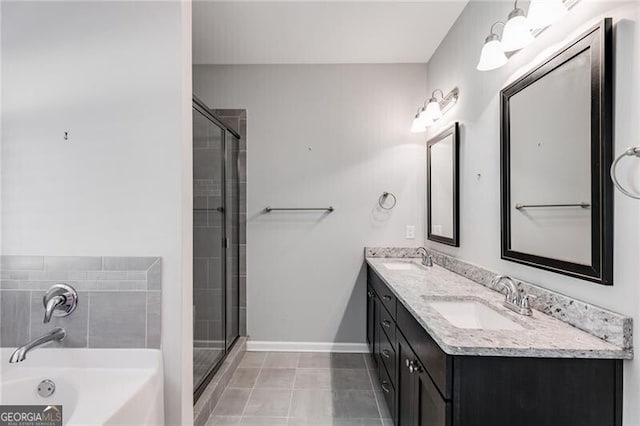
<point>424,386</point>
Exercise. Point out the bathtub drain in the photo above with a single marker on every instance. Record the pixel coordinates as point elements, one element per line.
<point>46,388</point>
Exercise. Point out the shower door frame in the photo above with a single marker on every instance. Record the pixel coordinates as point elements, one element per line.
<point>200,107</point>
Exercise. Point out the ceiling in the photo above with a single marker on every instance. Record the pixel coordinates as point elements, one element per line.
<point>320,32</point>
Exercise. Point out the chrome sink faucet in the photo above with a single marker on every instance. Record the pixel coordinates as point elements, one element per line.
<point>55,335</point>
<point>427,259</point>
<point>513,300</point>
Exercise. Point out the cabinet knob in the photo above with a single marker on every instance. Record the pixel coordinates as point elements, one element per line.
<point>413,367</point>
<point>369,294</point>
<point>385,386</point>
<point>385,353</point>
<point>386,297</point>
<point>386,323</point>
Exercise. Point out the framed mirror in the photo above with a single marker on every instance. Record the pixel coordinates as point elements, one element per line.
<point>443,219</point>
<point>556,148</point>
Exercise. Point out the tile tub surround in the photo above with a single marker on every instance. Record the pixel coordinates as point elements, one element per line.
<point>119,300</point>
<point>540,336</point>
<point>290,388</point>
<point>607,325</point>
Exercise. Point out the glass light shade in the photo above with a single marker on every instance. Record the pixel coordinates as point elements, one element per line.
<point>433,112</point>
<point>418,126</point>
<point>543,13</point>
<point>492,55</point>
<point>516,34</point>
<point>424,118</point>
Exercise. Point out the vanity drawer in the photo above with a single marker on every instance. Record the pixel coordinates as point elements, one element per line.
<point>384,293</point>
<point>388,324</point>
<point>388,356</point>
<point>388,390</point>
<point>436,362</point>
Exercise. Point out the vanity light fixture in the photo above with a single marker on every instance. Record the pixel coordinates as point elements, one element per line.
<point>516,33</point>
<point>543,13</point>
<point>520,30</point>
<point>433,109</point>
<point>492,55</point>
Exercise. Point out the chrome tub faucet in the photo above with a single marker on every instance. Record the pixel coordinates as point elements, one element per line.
<point>56,335</point>
<point>59,301</point>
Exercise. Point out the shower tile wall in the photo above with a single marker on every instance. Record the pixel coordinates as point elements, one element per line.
<point>118,300</point>
<point>207,243</point>
<point>237,120</point>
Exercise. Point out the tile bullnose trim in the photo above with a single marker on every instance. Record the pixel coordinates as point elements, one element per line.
<point>605,324</point>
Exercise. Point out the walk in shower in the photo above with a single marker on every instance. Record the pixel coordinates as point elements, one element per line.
<point>216,208</point>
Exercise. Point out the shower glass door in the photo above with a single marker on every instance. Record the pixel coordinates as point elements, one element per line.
<point>209,279</point>
<point>232,195</point>
<point>216,244</point>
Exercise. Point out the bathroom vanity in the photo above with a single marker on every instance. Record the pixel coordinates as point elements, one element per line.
<point>448,353</point>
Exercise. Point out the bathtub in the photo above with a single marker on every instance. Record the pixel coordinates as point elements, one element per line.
<point>94,386</point>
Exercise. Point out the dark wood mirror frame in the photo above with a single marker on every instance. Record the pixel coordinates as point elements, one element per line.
<point>599,41</point>
<point>449,131</point>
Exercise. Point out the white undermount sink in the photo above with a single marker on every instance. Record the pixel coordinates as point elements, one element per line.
<point>401,266</point>
<point>473,314</point>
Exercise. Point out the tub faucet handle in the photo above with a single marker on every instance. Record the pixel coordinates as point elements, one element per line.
<point>60,300</point>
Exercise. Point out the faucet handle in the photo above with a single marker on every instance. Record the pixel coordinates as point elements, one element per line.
<point>524,300</point>
<point>60,300</point>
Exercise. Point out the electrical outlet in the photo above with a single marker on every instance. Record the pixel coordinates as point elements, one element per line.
<point>411,232</point>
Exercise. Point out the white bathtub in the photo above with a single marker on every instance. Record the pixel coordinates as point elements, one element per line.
<point>94,386</point>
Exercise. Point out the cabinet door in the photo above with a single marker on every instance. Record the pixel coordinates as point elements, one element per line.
<point>430,409</point>
<point>371,318</point>
<point>419,402</point>
<point>406,384</point>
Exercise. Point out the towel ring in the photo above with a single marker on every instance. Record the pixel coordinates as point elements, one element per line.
<point>629,152</point>
<point>384,197</point>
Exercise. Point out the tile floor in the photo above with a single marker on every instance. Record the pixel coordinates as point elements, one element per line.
<point>283,388</point>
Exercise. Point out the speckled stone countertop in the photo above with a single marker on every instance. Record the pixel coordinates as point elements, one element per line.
<point>541,336</point>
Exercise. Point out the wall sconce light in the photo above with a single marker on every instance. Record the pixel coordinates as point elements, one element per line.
<point>492,55</point>
<point>516,33</point>
<point>543,13</point>
<point>432,109</point>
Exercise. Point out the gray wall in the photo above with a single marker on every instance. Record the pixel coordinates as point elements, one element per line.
<point>478,111</point>
<point>321,135</point>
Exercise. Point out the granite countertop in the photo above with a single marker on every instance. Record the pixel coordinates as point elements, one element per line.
<point>541,336</point>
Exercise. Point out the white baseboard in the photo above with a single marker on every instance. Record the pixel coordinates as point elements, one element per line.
<point>265,346</point>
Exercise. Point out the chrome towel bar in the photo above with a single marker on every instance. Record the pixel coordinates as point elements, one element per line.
<point>629,152</point>
<point>526,206</point>
<point>273,209</point>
